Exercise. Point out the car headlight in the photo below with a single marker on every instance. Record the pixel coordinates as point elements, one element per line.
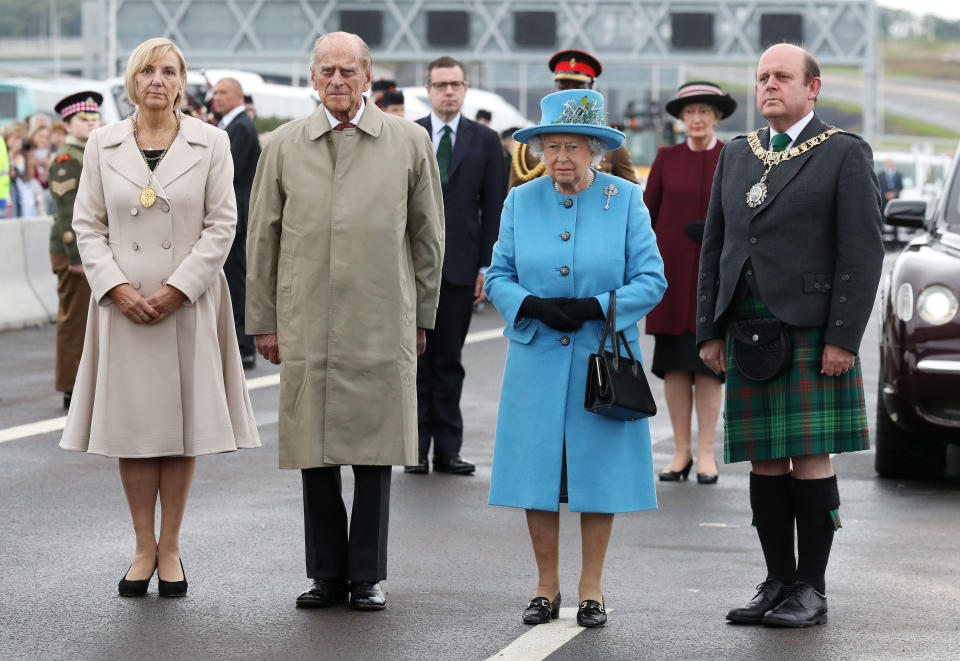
<point>937,305</point>
<point>903,305</point>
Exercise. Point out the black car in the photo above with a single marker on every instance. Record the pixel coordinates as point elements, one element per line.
<point>918,405</point>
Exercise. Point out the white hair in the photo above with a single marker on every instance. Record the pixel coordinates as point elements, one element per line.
<point>596,146</point>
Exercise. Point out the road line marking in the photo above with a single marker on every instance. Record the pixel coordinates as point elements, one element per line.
<point>543,639</point>
<point>32,429</point>
<point>57,424</point>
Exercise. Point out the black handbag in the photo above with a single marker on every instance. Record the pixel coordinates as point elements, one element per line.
<point>616,385</point>
<point>761,347</point>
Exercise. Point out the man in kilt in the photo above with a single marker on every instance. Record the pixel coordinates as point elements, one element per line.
<point>791,249</point>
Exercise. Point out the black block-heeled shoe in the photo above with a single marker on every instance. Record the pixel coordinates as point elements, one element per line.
<point>591,614</point>
<point>173,588</point>
<point>676,476</point>
<point>128,588</point>
<point>541,610</point>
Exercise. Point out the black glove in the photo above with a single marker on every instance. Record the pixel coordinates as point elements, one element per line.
<point>694,229</point>
<point>583,309</point>
<point>548,311</point>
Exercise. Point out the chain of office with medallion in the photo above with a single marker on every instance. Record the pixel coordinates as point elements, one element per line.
<point>148,196</point>
<point>758,192</point>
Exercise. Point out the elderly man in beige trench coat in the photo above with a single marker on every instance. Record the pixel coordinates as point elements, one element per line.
<point>345,250</point>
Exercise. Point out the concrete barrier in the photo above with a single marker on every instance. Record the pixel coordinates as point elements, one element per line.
<point>19,305</point>
<point>36,253</point>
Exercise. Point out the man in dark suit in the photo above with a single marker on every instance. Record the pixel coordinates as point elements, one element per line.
<point>471,169</point>
<point>891,182</point>
<point>228,102</point>
<point>792,235</point>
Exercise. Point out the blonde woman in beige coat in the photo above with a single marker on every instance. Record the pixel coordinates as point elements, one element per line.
<point>160,381</point>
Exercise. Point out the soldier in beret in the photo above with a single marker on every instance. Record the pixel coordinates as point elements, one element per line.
<point>572,69</point>
<point>80,113</point>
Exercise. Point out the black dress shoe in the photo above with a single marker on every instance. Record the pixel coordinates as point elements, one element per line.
<point>802,607</point>
<point>248,360</point>
<point>453,463</point>
<point>707,478</point>
<point>128,588</point>
<point>769,593</point>
<point>67,396</point>
<point>591,614</point>
<point>422,466</point>
<point>324,592</point>
<point>366,596</point>
<point>173,588</point>
<point>676,476</point>
<point>541,610</point>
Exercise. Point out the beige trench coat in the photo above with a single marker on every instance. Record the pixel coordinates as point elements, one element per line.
<point>344,256</point>
<point>175,388</point>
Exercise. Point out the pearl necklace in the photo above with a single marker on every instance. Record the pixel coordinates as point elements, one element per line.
<point>556,186</point>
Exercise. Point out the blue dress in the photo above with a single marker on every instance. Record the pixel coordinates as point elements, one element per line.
<point>550,245</point>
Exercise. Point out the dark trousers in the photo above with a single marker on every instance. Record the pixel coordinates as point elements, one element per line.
<point>440,373</point>
<point>331,553</point>
<point>235,268</point>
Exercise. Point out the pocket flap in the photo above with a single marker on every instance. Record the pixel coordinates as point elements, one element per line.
<point>756,332</point>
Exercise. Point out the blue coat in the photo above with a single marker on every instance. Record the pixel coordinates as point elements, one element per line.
<point>609,463</point>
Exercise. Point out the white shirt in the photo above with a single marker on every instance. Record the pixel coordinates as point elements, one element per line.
<point>793,132</point>
<point>356,118</point>
<point>437,124</point>
<point>230,116</point>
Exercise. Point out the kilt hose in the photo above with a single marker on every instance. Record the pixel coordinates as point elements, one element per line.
<point>800,412</point>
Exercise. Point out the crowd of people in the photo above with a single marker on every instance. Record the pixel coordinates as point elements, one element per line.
<point>184,251</point>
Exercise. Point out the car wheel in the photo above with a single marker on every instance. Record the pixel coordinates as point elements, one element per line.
<point>904,454</point>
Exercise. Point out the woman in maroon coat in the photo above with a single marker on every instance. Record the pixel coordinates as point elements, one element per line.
<point>677,195</point>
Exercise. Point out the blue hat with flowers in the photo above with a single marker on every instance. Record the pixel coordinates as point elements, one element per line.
<point>573,111</point>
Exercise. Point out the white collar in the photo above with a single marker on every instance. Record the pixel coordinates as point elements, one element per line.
<point>356,118</point>
<point>231,115</point>
<point>713,143</point>
<point>794,131</point>
<point>437,124</point>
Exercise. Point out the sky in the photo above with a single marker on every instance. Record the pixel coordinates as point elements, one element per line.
<point>949,9</point>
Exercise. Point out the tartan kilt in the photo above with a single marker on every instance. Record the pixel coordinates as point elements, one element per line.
<point>800,412</point>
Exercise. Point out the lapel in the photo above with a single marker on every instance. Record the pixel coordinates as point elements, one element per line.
<point>371,122</point>
<point>126,160</point>
<point>781,175</point>
<point>465,133</point>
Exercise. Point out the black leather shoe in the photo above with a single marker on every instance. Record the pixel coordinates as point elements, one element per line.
<point>676,476</point>
<point>591,614</point>
<point>541,610</point>
<point>248,360</point>
<point>128,588</point>
<point>67,396</point>
<point>769,593</point>
<point>324,592</point>
<point>422,466</point>
<point>452,464</point>
<point>366,596</point>
<point>802,607</point>
<point>173,588</point>
<point>707,478</point>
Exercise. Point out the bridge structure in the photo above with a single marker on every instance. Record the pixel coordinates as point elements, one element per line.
<point>647,47</point>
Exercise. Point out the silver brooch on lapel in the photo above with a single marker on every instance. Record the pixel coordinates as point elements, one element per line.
<point>609,191</point>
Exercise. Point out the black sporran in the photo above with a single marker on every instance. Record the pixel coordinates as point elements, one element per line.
<point>616,385</point>
<point>761,347</point>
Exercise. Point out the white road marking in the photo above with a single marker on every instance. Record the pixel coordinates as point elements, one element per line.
<point>57,424</point>
<point>543,639</point>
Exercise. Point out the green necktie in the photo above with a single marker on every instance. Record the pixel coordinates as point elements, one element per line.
<point>779,141</point>
<point>443,155</point>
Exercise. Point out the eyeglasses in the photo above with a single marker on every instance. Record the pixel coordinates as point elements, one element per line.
<point>453,84</point>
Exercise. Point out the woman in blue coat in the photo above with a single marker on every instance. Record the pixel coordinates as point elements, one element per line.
<point>567,240</point>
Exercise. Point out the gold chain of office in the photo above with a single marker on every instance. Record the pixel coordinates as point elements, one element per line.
<point>758,192</point>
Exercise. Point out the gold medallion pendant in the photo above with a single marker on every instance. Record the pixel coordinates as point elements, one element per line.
<point>148,196</point>
<point>757,194</point>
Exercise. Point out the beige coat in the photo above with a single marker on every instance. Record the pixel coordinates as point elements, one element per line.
<point>344,256</point>
<point>175,388</point>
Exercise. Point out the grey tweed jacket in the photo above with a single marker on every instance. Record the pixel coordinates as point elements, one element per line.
<point>814,242</point>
